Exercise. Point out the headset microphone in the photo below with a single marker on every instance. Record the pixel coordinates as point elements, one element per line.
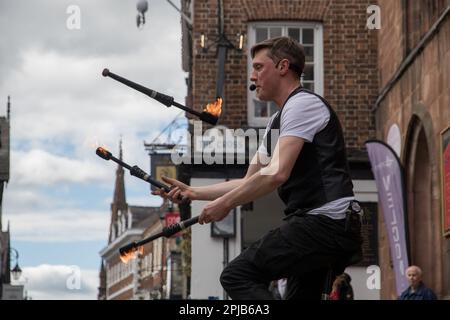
<point>252,87</point>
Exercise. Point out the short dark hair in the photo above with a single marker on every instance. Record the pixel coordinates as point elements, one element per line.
<point>283,48</point>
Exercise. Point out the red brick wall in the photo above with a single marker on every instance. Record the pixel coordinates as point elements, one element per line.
<point>350,57</point>
<point>127,295</point>
<point>422,93</point>
<point>120,285</point>
<point>403,25</point>
<point>391,39</point>
<point>420,17</point>
<point>350,76</point>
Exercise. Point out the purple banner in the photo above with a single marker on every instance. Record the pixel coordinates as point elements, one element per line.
<point>387,170</point>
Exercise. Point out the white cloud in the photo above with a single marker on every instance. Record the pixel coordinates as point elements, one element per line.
<point>108,29</point>
<point>59,282</point>
<point>77,104</point>
<point>58,212</point>
<point>24,199</point>
<point>40,168</point>
<point>59,225</point>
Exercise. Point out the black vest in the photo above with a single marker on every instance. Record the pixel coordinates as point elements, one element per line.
<point>321,172</point>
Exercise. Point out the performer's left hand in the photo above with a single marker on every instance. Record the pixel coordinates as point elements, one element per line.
<point>214,211</point>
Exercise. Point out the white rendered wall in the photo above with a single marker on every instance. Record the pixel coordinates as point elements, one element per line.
<point>365,191</point>
<point>207,252</point>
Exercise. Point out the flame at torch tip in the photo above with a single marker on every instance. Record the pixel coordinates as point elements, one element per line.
<point>214,108</point>
<point>131,254</point>
<point>101,149</point>
<point>103,153</point>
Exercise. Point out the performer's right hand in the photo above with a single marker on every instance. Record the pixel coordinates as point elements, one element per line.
<point>178,190</point>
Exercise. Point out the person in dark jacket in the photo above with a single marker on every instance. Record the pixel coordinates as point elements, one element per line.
<point>417,289</point>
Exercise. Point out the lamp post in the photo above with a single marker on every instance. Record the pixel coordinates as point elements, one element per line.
<point>162,217</point>
<point>16,271</point>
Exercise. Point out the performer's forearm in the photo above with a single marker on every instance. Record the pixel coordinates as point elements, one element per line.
<point>253,188</point>
<point>215,191</point>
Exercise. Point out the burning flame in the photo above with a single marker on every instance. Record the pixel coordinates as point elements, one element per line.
<point>102,150</point>
<point>94,142</point>
<point>132,254</point>
<point>215,108</point>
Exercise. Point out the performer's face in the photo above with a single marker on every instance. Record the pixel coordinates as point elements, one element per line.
<point>265,76</point>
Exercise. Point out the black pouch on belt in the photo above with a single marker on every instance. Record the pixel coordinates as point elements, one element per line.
<point>353,217</point>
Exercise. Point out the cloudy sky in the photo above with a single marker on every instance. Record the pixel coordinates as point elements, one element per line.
<point>58,199</point>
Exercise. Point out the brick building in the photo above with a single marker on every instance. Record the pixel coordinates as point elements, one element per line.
<point>8,255</point>
<point>341,62</point>
<point>4,178</point>
<point>412,112</point>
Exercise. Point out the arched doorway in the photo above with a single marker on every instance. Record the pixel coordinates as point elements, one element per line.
<point>423,202</point>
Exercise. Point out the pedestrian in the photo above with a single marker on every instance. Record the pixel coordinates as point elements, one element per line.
<point>417,289</point>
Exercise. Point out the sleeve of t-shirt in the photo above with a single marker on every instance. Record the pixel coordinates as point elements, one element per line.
<point>304,115</point>
<point>262,148</point>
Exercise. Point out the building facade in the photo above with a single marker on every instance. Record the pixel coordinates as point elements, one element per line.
<point>4,178</point>
<point>413,116</point>
<point>8,291</point>
<point>341,65</point>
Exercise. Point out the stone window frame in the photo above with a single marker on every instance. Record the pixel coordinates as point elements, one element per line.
<point>318,64</point>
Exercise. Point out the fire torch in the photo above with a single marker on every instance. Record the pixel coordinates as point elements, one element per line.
<point>129,251</point>
<point>134,170</point>
<point>209,115</point>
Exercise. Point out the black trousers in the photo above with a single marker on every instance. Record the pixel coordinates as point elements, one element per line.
<point>302,249</point>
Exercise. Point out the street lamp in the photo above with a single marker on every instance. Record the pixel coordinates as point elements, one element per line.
<point>16,271</point>
<point>142,7</point>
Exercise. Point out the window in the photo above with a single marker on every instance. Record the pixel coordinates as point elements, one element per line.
<point>119,228</point>
<point>150,262</point>
<point>157,255</point>
<point>114,274</point>
<point>123,222</point>
<point>310,36</point>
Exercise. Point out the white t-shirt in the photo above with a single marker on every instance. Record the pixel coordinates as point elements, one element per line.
<point>303,116</point>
